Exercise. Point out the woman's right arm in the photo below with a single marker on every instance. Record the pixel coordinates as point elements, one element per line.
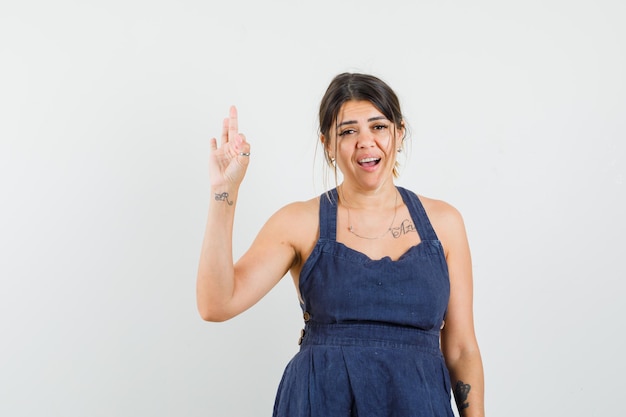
<point>223,288</point>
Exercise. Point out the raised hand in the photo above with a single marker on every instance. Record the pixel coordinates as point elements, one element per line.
<point>229,162</point>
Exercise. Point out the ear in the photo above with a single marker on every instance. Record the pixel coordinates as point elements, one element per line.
<point>402,132</point>
<point>326,144</point>
<point>402,128</point>
<point>400,136</point>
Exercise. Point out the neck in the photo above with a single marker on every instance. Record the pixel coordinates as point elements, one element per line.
<point>366,221</point>
<point>373,199</point>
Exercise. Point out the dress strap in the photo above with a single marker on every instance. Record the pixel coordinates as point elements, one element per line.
<point>328,215</point>
<point>422,223</point>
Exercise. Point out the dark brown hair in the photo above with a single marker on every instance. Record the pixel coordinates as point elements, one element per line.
<point>354,86</point>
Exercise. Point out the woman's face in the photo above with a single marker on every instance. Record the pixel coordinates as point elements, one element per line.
<point>363,144</point>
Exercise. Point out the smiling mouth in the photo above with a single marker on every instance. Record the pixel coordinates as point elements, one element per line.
<point>369,162</point>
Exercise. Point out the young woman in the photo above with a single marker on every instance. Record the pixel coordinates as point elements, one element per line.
<point>384,275</point>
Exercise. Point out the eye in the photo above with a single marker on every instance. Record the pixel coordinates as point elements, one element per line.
<point>346,132</point>
<point>380,127</point>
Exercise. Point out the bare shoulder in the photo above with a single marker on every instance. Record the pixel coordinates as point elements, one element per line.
<point>439,210</point>
<point>298,224</point>
<point>445,219</point>
<point>299,213</point>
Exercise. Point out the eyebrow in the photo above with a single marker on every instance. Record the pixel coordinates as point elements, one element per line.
<point>371,119</point>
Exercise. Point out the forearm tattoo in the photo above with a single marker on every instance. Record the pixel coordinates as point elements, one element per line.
<point>461,391</point>
<point>223,197</point>
<point>405,227</point>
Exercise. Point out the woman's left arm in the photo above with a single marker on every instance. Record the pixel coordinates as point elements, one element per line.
<point>458,338</point>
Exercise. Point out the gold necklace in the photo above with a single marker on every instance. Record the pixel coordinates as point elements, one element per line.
<point>395,211</point>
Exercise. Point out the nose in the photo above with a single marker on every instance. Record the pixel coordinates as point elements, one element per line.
<point>365,140</point>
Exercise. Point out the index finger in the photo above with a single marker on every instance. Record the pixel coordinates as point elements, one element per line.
<point>224,137</point>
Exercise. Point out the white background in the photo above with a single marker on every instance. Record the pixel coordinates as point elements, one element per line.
<point>517,111</point>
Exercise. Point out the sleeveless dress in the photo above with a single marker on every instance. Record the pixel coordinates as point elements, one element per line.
<point>370,346</point>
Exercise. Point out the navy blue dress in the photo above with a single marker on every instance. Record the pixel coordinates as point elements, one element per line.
<point>370,346</point>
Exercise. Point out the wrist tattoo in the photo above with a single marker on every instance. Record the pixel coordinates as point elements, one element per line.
<point>223,197</point>
<point>461,391</point>
<point>405,227</point>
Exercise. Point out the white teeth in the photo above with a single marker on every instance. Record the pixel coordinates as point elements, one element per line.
<point>362,161</point>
